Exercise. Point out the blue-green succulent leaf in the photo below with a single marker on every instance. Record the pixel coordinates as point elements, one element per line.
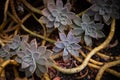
<point>69,45</point>
<point>78,31</point>
<point>87,28</point>
<point>59,44</point>
<point>85,18</point>
<point>56,49</point>
<point>59,4</point>
<point>88,40</point>
<point>107,9</point>
<point>62,36</point>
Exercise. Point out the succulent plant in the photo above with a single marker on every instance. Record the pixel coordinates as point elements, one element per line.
<point>69,45</point>
<point>34,59</point>
<point>17,42</point>
<point>12,47</point>
<point>57,15</point>
<point>106,9</point>
<point>4,52</point>
<point>88,28</point>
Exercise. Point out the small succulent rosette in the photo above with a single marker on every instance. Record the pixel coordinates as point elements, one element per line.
<point>57,15</point>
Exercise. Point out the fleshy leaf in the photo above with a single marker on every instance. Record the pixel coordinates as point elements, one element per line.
<point>28,73</point>
<point>77,21</point>
<point>33,45</point>
<point>50,24</point>
<point>76,46</point>
<point>41,49</point>
<point>77,31</point>
<point>51,7</point>
<point>59,4</point>
<point>88,40</point>
<point>68,21</point>
<point>42,61</point>
<point>25,65</point>
<point>62,36</point>
<point>48,53</point>
<point>97,17</point>
<point>16,38</point>
<point>56,24</point>
<point>50,18</point>
<point>25,38</point>
<point>100,34</point>
<point>99,26</point>
<point>45,12</point>
<point>85,18</point>
<point>38,72</point>
<point>74,52</point>
<point>106,18</point>
<point>14,45</point>
<point>71,15</point>
<point>101,11</point>
<point>36,55</point>
<point>66,57</point>
<point>56,49</point>
<point>42,68</point>
<point>59,44</point>
<point>65,52</point>
<point>44,19</point>
<point>32,68</point>
<point>70,36</point>
<point>54,13</point>
<point>62,28</point>
<point>19,60</point>
<point>4,54</point>
<point>94,7</point>
<point>68,6</point>
<point>20,54</point>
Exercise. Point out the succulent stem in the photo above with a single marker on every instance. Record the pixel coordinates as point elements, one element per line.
<point>4,64</point>
<point>35,34</point>
<point>91,60</point>
<point>106,66</point>
<point>29,6</point>
<point>102,55</point>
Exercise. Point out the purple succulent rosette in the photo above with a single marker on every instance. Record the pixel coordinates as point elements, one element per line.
<point>105,9</point>
<point>10,49</point>
<point>57,15</point>
<point>34,59</point>
<point>87,28</point>
<point>69,45</point>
